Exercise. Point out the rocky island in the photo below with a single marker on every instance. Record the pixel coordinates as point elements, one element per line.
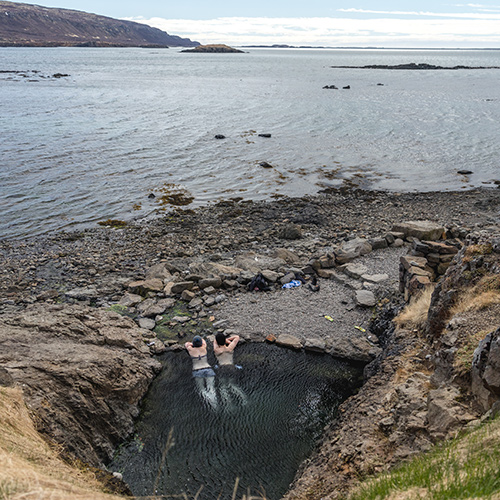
<point>214,49</point>
<point>83,315</point>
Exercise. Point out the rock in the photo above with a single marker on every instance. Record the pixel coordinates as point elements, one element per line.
<point>158,271</point>
<point>210,282</point>
<point>354,270</point>
<point>423,230</point>
<point>187,295</point>
<point>486,370</point>
<point>271,338</point>
<point>89,366</point>
<point>286,255</point>
<point>265,135</point>
<point>196,303</point>
<point>264,164</point>
<point>379,243</point>
<point>316,344</point>
<point>464,172</point>
<point>287,278</point>
<point>158,308</point>
<point>178,288</point>
<point>181,319</point>
<point>444,413</point>
<point>327,261</point>
<point>255,263</point>
<point>147,323</point>
<point>328,274</point>
<point>375,278</point>
<point>48,295</point>
<point>365,298</point>
<point>354,348</point>
<point>271,276</point>
<point>343,257</point>
<point>358,246</point>
<point>291,232</point>
<point>290,341</point>
<point>214,48</point>
<point>130,300</point>
<point>143,287</point>
<point>220,136</point>
<point>84,293</point>
<point>6,379</point>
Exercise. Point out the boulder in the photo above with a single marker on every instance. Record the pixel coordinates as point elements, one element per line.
<point>88,366</point>
<point>423,230</point>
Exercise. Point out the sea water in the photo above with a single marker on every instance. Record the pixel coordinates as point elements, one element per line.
<point>127,123</point>
<point>249,430</point>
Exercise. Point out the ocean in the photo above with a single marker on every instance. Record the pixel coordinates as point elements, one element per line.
<point>126,124</point>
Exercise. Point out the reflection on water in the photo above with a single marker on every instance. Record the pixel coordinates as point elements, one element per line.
<point>256,424</point>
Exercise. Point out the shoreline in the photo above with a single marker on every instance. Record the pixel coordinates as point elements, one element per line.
<point>107,257</point>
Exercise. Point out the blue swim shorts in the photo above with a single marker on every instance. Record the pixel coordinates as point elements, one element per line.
<point>204,373</point>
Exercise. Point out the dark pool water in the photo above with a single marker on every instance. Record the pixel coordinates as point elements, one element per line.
<point>253,426</point>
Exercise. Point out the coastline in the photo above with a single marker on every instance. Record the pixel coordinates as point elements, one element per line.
<point>106,258</point>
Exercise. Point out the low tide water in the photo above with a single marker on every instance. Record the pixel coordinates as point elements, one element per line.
<point>126,123</point>
<point>251,429</point>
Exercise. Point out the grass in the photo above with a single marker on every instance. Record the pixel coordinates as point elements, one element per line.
<point>467,467</point>
<point>414,315</point>
<point>481,296</point>
<point>29,467</point>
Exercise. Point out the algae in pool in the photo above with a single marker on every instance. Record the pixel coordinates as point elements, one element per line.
<point>257,424</point>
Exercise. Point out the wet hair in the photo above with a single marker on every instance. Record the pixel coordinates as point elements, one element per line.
<point>220,339</point>
<point>197,341</point>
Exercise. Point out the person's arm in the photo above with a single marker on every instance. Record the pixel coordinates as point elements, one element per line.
<point>233,341</point>
<point>188,346</point>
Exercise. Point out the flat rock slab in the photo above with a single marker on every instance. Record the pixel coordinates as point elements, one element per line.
<point>286,340</point>
<point>375,278</point>
<point>354,270</point>
<point>365,298</point>
<point>423,230</point>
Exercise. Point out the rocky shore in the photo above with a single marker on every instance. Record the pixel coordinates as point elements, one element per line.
<point>189,272</point>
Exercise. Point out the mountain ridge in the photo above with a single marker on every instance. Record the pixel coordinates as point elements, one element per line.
<point>28,25</point>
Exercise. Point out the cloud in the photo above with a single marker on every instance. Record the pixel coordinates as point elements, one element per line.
<point>425,29</point>
<point>454,15</point>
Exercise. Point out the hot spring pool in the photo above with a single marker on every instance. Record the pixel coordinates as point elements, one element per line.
<point>256,424</point>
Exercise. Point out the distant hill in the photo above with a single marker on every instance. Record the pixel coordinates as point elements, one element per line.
<point>35,26</point>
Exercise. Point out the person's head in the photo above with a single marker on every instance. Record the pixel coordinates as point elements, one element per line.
<point>220,338</point>
<point>197,341</point>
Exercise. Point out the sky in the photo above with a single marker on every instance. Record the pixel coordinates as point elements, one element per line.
<point>336,23</point>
